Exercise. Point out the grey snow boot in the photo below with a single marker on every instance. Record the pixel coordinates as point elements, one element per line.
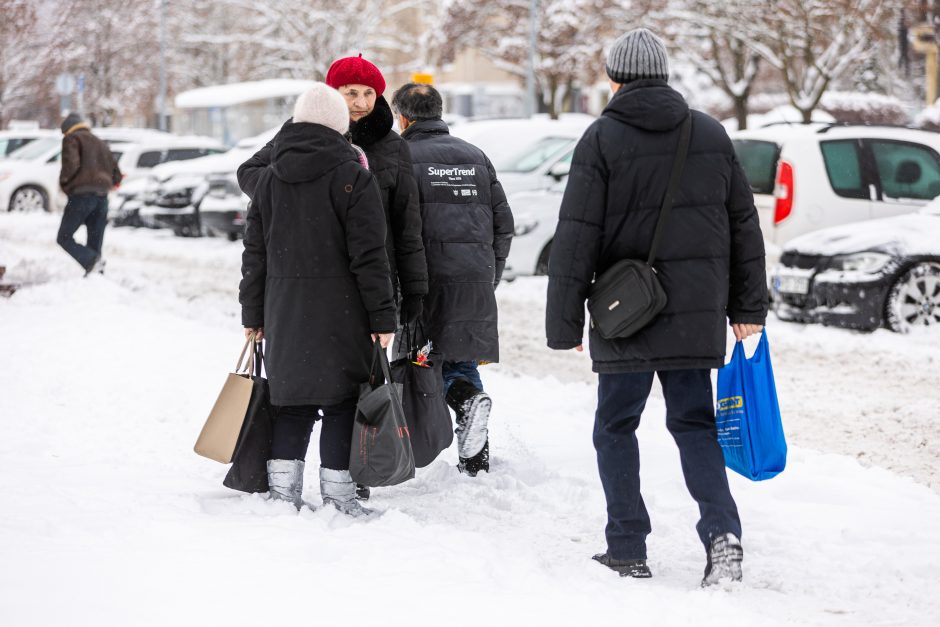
<point>472,407</point>
<point>724,560</point>
<point>286,480</point>
<point>338,488</point>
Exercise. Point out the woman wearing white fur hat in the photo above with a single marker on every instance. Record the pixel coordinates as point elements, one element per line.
<point>316,285</point>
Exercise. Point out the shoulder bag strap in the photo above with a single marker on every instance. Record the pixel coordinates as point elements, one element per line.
<point>685,134</point>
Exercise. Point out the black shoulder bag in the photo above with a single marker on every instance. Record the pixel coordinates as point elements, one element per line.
<point>628,295</point>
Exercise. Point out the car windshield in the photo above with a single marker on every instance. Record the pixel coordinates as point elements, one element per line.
<point>534,155</point>
<point>35,149</point>
<point>759,161</point>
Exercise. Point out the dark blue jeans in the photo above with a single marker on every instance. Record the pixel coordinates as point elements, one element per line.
<point>690,418</point>
<point>453,370</point>
<point>90,210</point>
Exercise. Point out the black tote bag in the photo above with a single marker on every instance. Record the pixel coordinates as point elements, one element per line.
<point>249,471</point>
<point>426,411</point>
<point>381,452</point>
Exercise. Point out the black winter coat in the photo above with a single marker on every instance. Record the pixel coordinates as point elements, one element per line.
<point>711,258</point>
<point>467,227</point>
<point>390,163</point>
<point>315,272</point>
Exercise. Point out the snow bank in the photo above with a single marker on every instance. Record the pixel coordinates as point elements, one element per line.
<point>108,518</point>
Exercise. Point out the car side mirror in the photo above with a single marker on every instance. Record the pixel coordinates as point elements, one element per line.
<point>560,170</point>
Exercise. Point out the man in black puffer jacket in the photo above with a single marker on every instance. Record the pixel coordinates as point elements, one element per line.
<point>468,227</point>
<point>361,84</point>
<point>711,266</point>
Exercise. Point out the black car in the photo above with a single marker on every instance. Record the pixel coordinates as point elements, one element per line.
<point>865,275</point>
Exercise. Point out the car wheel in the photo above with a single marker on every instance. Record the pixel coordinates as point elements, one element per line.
<point>914,300</point>
<point>232,236</point>
<point>29,198</point>
<point>541,266</point>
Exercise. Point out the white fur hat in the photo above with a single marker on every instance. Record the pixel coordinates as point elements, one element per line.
<point>321,104</point>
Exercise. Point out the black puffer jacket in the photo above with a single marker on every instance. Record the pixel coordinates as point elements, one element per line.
<point>468,227</point>
<point>390,162</point>
<point>711,258</point>
<point>315,273</point>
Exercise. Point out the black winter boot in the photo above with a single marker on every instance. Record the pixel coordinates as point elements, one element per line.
<point>472,465</point>
<point>472,407</point>
<point>724,560</point>
<point>627,568</point>
<point>363,492</point>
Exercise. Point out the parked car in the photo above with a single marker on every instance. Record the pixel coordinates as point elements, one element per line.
<point>13,140</point>
<point>527,154</point>
<point>808,177</point>
<point>535,214</point>
<point>175,192</point>
<point>864,276</point>
<point>224,207</point>
<point>29,179</point>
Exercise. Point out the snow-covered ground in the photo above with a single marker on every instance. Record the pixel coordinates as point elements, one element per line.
<point>108,518</point>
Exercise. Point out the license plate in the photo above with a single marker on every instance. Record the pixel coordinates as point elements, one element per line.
<point>791,284</point>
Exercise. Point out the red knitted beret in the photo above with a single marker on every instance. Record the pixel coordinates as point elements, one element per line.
<point>355,71</point>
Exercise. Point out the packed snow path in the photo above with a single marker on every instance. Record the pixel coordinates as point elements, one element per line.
<point>108,518</point>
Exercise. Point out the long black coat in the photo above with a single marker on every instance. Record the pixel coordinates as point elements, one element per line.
<point>711,258</point>
<point>467,227</point>
<point>390,162</point>
<point>315,272</point>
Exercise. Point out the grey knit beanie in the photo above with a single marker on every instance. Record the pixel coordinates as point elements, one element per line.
<point>637,54</point>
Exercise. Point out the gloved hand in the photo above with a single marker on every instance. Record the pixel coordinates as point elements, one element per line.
<point>411,307</point>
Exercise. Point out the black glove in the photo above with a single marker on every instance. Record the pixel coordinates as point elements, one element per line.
<point>411,307</point>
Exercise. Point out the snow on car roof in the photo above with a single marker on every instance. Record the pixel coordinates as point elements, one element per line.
<point>237,93</point>
<point>499,138</point>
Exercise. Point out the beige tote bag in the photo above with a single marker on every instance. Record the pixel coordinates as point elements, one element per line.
<point>220,433</point>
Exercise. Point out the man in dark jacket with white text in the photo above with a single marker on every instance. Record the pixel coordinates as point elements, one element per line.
<point>710,263</point>
<point>467,228</point>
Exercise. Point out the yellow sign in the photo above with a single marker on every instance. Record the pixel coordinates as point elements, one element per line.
<point>421,77</point>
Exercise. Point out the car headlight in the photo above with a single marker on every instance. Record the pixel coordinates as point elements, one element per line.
<point>867,262</point>
<point>524,225</point>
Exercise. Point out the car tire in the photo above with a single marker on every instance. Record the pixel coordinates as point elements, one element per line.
<point>232,236</point>
<point>914,299</point>
<point>29,198</point>
<point>541,266</point>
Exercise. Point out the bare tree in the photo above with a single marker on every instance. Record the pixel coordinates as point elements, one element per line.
<point>19,62</point>
<point>814,42</point>
<point>571,35</point>
<point>705,33</point>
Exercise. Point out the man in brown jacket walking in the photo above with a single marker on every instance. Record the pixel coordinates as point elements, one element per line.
<point>89,172</point>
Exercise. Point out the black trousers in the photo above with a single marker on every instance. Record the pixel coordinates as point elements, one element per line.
<point>690,418</point>
<point>294,423</point>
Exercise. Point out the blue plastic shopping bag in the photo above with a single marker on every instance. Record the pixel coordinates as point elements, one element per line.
<point>747,415</point>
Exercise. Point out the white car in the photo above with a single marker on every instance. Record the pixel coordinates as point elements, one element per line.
<point>13,140</point>
<point>535,214</point>
<point>528,154</point>
<point>808,177</point>
<point>29,178</point>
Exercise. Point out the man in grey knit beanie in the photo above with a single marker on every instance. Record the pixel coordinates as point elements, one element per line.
<point>635,55</point>
<point>711,267</point>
